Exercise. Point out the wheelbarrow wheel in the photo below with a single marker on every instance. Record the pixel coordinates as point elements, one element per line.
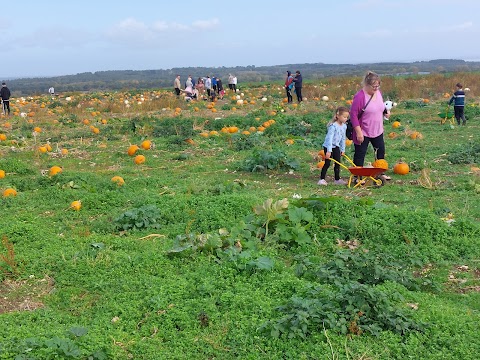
<point>381,180</point>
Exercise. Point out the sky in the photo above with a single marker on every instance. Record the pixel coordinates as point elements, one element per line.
<point>43,39</point>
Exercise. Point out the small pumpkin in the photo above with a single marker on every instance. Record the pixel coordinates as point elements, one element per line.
<point>401,168</point>
<point>3,137</point>
<point>9,192</point>
<point>146,144</point>
<point>320,164</point>
<point>2,174</point>
<point>348,142</point>
<point>132,149</point>
<point>139,159</point>
<point>76,205</point>
<point>396,124</point>
<point>321,153</point>
<point>119,180</point>
<point>54,170</point>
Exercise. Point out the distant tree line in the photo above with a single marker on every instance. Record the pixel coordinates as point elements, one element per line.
<point>153,79</point>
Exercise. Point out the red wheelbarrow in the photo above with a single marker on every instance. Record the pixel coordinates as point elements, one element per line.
<point>364,175</point>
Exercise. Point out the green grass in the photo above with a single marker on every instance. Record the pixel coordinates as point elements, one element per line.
<point>134,300</point>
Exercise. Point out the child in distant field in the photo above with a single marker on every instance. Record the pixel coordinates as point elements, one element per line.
<point>334,144</point>
<point>459,104</point>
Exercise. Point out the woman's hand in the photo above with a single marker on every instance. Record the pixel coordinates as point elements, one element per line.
<point>359,134</point>
<point>387,114</point>
<point>328,154</point>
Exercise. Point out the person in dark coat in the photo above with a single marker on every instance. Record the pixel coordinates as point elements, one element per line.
<point>298,85</point>
<point>5,95</point>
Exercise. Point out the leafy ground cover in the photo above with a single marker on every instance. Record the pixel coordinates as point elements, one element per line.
<point>210,239</point>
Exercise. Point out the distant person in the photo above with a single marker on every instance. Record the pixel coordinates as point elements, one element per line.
<point>189,82</point>
<point>208,85</point>
<point>458,98</point>
<point>176,85</point>
<point>220,90</point>
<point>5,95</point>
<point>298,85</point>
<point>289,87</point>
<point>214,84</point>
<point>200,86</point>
<point>230,81</point>
<point>366,115</point>
<point>235,83</point>
<point>51,91</point>
<point>334,145</point>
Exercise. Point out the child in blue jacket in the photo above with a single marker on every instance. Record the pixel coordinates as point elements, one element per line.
<point>334,145</point>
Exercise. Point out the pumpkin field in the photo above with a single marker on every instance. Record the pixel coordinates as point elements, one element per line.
<point>136,225</point>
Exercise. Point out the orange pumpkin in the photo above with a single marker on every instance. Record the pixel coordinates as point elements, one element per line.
<point>320,164</point>
<point>119,180</point>
<point>396,124</point>
<point>146,144</point>
<point>348,142</point>
<point>321,153</point>
<point>132,149</point>
<point>76,205</point>
<point>2,174</point>
<point>54,170</point>
<point>381,164</point>
<point>401,168</point>
<point>9,192</point>
<point>139,159</point>
<point>3,137</point>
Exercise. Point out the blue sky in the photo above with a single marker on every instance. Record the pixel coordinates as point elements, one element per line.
<point>62,37</point>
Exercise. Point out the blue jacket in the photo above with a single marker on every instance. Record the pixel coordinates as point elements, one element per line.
<point>458,97</point>
<point>336,137</point>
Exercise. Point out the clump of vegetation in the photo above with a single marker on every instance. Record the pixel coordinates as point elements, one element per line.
<point>263,160</point>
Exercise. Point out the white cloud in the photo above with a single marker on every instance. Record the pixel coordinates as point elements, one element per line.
<point>133,31</point>
<point>206,24</point>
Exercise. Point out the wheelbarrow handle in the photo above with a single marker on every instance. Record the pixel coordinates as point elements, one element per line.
<point>339,163</point>
<point>349,160</point>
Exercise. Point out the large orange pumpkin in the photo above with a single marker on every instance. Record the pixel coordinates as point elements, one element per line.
<point>401,168</point>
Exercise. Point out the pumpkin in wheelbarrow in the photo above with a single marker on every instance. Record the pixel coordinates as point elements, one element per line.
<point>380,163</point>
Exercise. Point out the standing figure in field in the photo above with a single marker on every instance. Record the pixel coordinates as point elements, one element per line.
<point>458,98</point>
<point>366,115</point>
<point>176,85</point>
<point>230,81</point>
<point>214,84</point>
<point>234,83</point>
<point>298,85</point>
<point>289,86</point>
<point>221,91</point>
<point>200,86</point>
<point>5,95</point>
<point>334,145</point>
<point>208,85</point>
<point>51,91</point>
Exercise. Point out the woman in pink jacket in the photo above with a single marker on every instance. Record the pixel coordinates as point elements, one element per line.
<point>366,115</point>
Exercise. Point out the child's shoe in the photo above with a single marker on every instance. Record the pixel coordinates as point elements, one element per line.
<point>322,182</point>
<point>340,182</point>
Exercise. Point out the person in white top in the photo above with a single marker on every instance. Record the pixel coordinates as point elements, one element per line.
<point>234,83</point>
<point>51,91</point>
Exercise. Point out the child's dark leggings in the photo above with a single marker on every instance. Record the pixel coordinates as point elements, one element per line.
<point>336,169</point>
<point>459,114</point>
<point>361,150</point>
